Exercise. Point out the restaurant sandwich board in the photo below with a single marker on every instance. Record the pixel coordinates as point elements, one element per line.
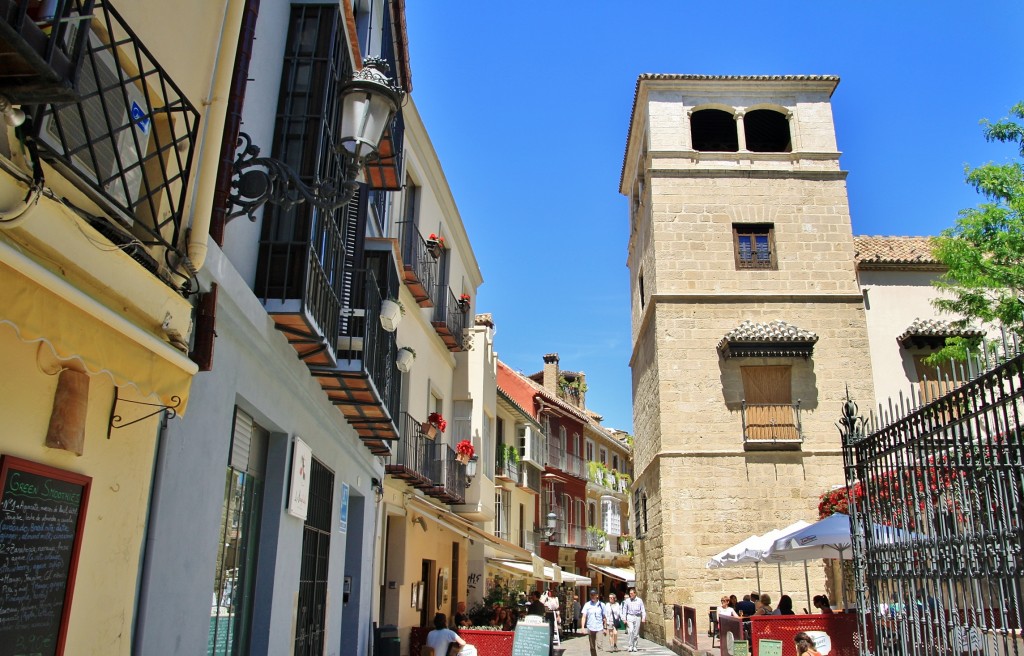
<point>42,510</point>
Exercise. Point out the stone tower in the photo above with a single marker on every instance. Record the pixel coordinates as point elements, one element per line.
<point>747,325</point>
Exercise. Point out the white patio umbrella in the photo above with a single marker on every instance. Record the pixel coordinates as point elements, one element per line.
<point>730,554</point>
<point>749,551</point>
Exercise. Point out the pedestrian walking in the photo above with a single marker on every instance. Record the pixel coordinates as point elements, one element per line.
<point>593,619</point>
<point>614,621</point>
<point>636,614</point>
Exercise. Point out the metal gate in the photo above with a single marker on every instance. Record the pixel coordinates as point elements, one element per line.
<point>316,548</point>
<point>937,498</point>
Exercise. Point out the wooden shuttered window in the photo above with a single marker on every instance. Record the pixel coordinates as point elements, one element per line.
<point>935,381</point>
<point>768,403</point>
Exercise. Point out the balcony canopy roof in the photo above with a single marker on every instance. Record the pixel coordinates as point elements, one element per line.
<point>932,333</point>
<point>767,340</point>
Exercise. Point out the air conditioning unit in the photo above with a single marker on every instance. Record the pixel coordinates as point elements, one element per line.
<point>103,138</point>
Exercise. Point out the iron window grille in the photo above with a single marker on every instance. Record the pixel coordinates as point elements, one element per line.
<point>130,140</point>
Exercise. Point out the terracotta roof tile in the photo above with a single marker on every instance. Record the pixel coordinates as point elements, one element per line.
<point>893,251</point>
<point>772,331</point>
<point>936,328</point>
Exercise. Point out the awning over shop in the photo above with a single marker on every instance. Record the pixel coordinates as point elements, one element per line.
<point>46,308</point>
<point>620,573</point>
<point>549,573</point>
<point>446,516</point>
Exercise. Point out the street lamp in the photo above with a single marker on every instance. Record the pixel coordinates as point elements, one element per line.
<point>551,525</point>
<point>470,470</point>
<point>369,102</point>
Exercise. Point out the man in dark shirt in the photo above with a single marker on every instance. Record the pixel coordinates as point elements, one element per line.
<point>535,607</point>
<point>746,607</point>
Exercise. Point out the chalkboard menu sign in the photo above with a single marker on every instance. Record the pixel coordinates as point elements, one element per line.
<point>41,517</point>
<point>531,639</point>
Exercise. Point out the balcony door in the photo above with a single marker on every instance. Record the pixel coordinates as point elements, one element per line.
<point>768,392</point>
<point>316,549</point>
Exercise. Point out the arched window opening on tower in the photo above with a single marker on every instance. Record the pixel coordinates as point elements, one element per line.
<point>714,130</point>
<point>767,131</point>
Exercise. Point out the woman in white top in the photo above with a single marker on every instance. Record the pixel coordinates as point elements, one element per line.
<point>725,610</point>
<point>441,638</point>
<point>613,620</point>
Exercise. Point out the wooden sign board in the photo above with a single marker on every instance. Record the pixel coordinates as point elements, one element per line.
<point>531,639</point>
<point>42,512</point>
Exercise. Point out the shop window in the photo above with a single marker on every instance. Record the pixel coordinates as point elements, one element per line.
<point>754,245</point>
<point>235,573</point>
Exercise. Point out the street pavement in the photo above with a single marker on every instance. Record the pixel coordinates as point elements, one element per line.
<point>580,646</point>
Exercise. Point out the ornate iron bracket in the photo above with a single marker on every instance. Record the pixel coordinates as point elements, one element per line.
<point>117,422</point>
<point>259,180</point>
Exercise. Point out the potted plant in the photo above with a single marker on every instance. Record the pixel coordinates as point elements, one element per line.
<point>434,423</point>
<point>464,302</point>
<point>391,313</point>
<point>405,358</point>
<point>435,244</point>
<point>596,537</point>
<point>464,451</point>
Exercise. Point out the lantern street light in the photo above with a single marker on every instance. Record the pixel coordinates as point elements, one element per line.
<point>369,102</point>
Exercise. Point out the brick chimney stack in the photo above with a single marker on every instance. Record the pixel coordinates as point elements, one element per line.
<point>551,373</point>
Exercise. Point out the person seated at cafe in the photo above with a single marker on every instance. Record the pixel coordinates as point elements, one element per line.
<point>765,606</point>
<point>725,610</point>
<point>785,606</point>
<point>746,607</point>
<point>732,601</point>
<point>461,619</point>
<point>822,604</point>
<point>804,645</point>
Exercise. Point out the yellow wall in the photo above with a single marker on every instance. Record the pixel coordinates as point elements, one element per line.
<point>121,467</point>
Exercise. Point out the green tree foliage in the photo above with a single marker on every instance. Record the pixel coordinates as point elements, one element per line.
<point>984,251</point>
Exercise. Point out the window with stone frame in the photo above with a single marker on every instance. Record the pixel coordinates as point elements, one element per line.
<point>754,245</point>
<point>768,410</point>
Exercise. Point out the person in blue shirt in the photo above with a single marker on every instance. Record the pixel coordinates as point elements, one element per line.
<point>593,619</point>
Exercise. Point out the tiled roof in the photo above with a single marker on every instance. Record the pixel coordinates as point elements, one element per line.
<point>713,78</point>
<point>935,328</point>
<point>772,331</point>
<point>893,251</point>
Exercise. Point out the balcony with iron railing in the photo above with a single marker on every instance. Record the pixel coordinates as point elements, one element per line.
<point>571,535</point>
<point>447,476</point>
<point>769,426</point>
<point>450,318</point>
<point>419,265</point>
<point>505,468</point>
<point>556,456</point>
<point>529,477</point>
<point>364,383</point>
<point>108,118</point>
<point>575,466</point>
<point>408,459</point>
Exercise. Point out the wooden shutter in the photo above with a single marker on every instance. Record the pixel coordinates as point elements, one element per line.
<point>934,381</point>
<point>768,392</point>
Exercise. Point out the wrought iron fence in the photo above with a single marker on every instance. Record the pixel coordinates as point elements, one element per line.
<point>409,453</point>
<point>937,501</point>
<point>130,139</point>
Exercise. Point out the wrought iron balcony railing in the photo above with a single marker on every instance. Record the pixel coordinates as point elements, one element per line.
<point>447,476</point>
<point>505,468</point>
<point>129,138</point>
<point>43,45</point>
<point>408,459</point>
<point>450,318</point>
<point>530,477</point>
<point>556,456</point>
<point>575,466</point>
<point>420,265</point>
<point>771,423</point>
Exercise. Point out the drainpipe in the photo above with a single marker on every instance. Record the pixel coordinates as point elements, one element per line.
<point>223,113</point>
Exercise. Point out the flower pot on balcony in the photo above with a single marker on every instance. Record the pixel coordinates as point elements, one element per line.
<point>434,247</point>
<point>464,306</point>
<point>462,458</point>
<point>428,429</point>
<point>391,315</point>
<point>404,359</point>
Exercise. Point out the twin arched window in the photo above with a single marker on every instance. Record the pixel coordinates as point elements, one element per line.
<point>764,131</point>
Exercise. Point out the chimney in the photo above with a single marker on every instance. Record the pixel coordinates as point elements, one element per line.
<point>551,373</point>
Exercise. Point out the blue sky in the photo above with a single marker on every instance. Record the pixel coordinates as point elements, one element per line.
<point>528,104</point>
